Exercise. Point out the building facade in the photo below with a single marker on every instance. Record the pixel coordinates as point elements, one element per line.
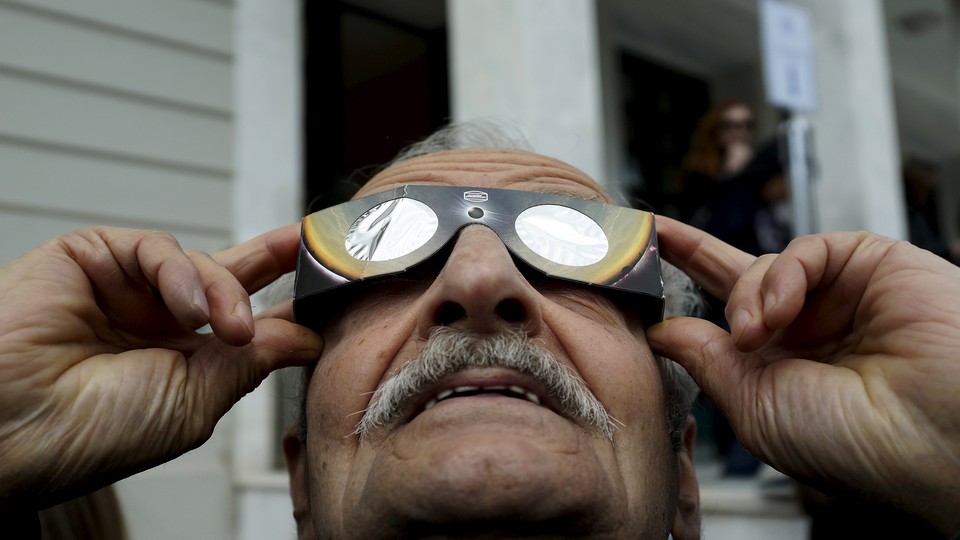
<point>211,119</point>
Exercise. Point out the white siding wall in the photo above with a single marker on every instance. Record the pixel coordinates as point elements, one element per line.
<point>118,113</point>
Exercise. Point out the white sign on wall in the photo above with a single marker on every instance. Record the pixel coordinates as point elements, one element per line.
<point>788,63</point>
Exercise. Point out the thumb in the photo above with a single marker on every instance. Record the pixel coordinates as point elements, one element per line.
<point>709,354</point>
<point>224,374</point>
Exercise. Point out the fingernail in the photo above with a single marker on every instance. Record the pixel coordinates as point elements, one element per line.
<point>740,321</point>
<point>652,331</point>
<point>664,323</point>
<point>200,303</point>
<point>241,310</point>
<point>769,301</point>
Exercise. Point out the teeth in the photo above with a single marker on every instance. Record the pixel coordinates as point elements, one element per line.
<point>519,391</point>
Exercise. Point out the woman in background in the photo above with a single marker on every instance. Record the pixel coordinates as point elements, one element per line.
<point>729,191</point>
<point>721,146</point>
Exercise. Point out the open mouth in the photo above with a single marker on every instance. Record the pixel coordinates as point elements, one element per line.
<point>482,388</point>
<point>513,391</point>
<point>485,381</point>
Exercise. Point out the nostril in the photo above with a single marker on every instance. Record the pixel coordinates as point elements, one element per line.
<point>511,310</point>
<point>449,312</point>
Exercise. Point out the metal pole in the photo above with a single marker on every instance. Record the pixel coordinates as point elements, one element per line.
<point>796,141</point>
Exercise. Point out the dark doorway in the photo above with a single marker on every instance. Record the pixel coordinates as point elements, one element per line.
<point>373,85</point>
<point>662,107</point>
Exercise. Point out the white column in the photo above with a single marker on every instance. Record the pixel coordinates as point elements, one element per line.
<point>268,189</point>
<point>859,185</point>
<point>268,193</point>
<point>534,66</point>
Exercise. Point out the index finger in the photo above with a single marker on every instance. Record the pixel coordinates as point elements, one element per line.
<point>258,262</point>
<point>712,263</point>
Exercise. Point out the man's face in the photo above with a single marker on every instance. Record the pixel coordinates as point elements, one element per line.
<point>489,463</point>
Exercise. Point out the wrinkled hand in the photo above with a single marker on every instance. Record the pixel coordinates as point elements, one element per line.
<point>842,367</point>
<point>101,372</point>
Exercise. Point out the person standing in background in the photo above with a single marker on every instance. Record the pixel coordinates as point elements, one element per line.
<point>720,178</point>
<point>721,146</point>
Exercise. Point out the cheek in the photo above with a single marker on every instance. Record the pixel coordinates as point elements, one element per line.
<point>624,375</point>
<point>357,354</point>
<point>354,361</point>
<point>619,368</point>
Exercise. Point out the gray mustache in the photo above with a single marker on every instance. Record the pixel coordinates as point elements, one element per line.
<point>450,350</point>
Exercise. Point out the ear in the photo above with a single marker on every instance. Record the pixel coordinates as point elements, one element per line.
<point>686,522</point>
<point>295,453</point>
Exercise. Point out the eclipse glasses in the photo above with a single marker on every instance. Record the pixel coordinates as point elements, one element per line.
<point>386,234</point>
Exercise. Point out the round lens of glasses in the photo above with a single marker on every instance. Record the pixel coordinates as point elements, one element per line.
<point>562,235</point>
<point>391,230</point>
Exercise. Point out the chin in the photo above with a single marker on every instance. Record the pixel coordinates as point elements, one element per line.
<point>493,482</point>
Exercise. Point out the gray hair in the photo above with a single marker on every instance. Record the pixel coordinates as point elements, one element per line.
<point>682,295</point>
<point>683,299</point>
<point>474,134</point>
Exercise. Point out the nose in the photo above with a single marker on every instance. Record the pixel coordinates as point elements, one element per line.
<point>480,290</point>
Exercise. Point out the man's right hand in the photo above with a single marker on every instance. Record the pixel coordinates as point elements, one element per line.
<point>102,373</point>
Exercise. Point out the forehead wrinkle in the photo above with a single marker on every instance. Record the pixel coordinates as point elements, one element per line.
<point>484,160</point>
<point>554,176</point>
<point>547,176</point>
